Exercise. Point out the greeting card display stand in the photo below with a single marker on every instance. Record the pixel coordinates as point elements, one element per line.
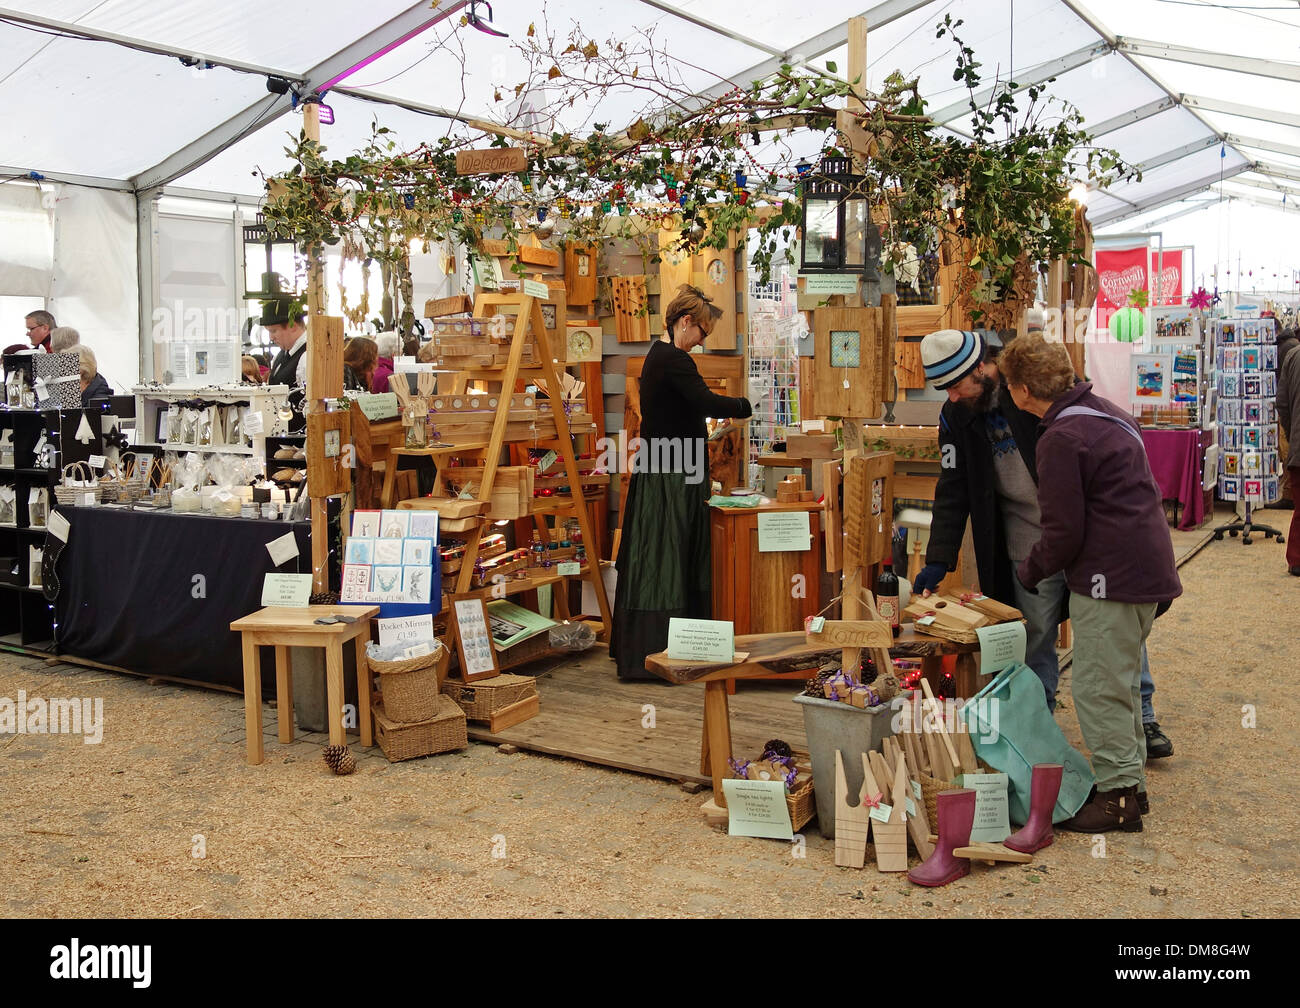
<point>1246,526</point>
<point>1249,462</point>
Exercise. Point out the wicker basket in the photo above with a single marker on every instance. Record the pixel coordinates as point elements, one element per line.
<point>481,699</point>
<point>66,494</point>
<point>444,732</point>
<point>410,686</point>
<point>930,787</point>
<point>802,802</point>
<point>802,805</point>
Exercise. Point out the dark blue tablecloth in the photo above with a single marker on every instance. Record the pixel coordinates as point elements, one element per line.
<point>156,592</point>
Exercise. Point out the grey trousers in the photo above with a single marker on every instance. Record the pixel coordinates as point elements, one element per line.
<point>1106,685</point>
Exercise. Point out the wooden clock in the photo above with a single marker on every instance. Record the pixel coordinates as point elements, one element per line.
<point>846,362</point>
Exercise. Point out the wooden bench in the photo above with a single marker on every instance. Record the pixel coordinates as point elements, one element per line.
<point>783,653</point>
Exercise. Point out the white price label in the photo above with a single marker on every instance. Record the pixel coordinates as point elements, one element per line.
<point>96,461</point>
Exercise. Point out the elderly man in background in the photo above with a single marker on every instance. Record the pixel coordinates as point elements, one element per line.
<point>39,325</point>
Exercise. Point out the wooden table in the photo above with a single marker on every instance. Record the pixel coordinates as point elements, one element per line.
<point>781,654</point>
<point>284,627</point>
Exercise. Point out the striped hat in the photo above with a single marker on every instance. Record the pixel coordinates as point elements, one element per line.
<point>949,355</point>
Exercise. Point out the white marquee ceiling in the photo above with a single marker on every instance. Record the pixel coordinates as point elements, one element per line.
<point>1214,119</point>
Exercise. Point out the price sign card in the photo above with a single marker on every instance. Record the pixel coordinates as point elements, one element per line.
<point>286,590</point>
<point>406,629</point>
<point>757,808</point>
<point>784,532</point>
<point>992,824</point>
<point>701,640</point>
<point>1001,645</point>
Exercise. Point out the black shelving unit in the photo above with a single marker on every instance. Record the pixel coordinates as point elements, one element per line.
<point>26,618</point>
<point>273,464</point>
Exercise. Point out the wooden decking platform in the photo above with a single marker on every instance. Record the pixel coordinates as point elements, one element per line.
<point>588,715</point>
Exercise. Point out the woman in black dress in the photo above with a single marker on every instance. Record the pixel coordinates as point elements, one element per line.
<point>664,558</point>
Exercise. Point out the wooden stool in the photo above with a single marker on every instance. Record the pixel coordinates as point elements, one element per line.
<point>285,627</point>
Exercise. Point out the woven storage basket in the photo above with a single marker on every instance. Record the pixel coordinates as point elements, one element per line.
<point>65,494</point>
<point>930,787</point>
<point>802,802</point>
<point>444,732</point>
<point>410,686</point>
<point>480,700</point>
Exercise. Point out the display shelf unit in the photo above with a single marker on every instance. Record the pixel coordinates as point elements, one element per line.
<point>274,465</point>
<point>153,402</point>
<point>528,325</point>
<point>26,619</point>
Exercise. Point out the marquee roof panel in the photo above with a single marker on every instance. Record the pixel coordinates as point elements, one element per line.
<point>98,108</point>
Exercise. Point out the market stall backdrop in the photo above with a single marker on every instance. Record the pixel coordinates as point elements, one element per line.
<point>117,103</point>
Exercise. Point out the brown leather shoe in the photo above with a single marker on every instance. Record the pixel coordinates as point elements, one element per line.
<point>1108,810</point>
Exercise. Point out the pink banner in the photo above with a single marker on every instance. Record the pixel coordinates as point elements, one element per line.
<point>1122,271</point>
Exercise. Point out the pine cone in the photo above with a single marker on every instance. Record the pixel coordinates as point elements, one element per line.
<point>339,758</point>
<point>324,598</point>
<point>776,748</point>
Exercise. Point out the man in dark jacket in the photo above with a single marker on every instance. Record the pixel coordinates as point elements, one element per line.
<point>988,457</point>
<point>1288,415</point>
<point>1104,525</point>
<point>987,473</point>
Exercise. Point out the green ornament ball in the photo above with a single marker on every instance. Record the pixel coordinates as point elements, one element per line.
<point>1128,325</point>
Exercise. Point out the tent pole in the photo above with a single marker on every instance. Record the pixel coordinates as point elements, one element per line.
<point>146,232</point>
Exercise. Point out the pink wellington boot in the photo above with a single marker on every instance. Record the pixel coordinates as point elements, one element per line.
<point>955,811</point>
<point>1043,789</point>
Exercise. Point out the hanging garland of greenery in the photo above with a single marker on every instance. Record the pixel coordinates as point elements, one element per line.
<point>704,167</point>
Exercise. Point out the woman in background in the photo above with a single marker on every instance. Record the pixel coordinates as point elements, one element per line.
<point>386,344</point>
<point>93,384</point>
<point>665,559</point>
<point>1103,523</point>
<point>360,358</point>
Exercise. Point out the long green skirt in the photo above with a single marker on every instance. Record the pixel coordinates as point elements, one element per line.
<point>664,566</point>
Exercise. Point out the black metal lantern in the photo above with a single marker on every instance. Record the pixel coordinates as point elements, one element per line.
<point>838,233</point>
<point>270,264</point>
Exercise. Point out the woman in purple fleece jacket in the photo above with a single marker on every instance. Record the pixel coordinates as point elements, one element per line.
<point>1104,525</point>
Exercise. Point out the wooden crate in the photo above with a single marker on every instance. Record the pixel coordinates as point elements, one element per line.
<point>499,702</point>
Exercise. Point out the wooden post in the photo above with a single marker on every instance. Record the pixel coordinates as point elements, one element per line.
<point>324,376</point>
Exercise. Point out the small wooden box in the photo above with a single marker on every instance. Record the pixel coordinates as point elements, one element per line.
<point>812,446</point>
<point>499,702</point>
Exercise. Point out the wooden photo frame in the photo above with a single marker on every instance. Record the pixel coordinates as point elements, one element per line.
<point>478,656</point>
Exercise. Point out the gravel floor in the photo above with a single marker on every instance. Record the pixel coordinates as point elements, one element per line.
<point>163,818</point>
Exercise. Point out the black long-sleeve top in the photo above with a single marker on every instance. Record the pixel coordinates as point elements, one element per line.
<point>674,399</point>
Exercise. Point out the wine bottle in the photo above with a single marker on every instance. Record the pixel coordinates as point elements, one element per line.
<point>887,595</point>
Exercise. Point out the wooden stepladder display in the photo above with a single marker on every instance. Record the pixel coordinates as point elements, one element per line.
<point>528,326</point>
